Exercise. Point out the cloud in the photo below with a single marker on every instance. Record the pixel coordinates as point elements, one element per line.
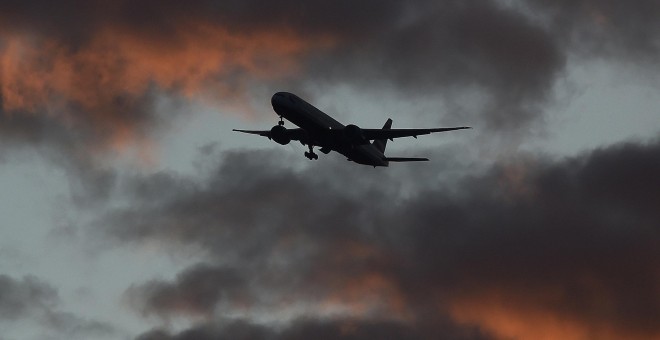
<point>625,31</point>
<point>83,81</point>
<point>569,245</point>
<point>68,325</point>
<point>309,328</point>
<point>33,301</point>
<point>553,243</point>
<point>196,292</point>
<point>474,51</point>
<point>95,70</point>
<point>104,87</point>
<point>20,298</point>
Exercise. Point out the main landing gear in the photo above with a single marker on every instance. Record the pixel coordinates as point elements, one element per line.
<point>311,155</point>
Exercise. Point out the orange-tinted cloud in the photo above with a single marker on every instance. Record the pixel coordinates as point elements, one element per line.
<point>511,315</point>
<point>88,87</point>
<point>364,296</point>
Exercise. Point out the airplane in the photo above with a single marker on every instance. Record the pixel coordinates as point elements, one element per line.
<point>362,146</point>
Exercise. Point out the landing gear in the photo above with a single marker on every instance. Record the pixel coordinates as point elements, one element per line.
<point>311,155</point>
<point>281,122</point>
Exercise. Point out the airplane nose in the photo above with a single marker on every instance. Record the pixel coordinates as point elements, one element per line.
<point>277,98</point>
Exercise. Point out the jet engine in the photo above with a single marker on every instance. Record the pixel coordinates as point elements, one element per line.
<point>354,134</point>
<point>279,134</point>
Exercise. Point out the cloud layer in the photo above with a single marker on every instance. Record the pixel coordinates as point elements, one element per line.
<point>89,73</point>
<point>530,248</point>
<point>568,246</point>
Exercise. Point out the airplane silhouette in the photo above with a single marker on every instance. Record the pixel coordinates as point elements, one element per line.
<point>318,129</point>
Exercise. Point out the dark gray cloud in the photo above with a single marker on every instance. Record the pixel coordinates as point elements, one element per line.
<point>30,299</point>
<point>80,149</point>
<point>61,324</point>
<point>318,329</point>
<point>528,239</point>
<point>475,49</point>
<point>196,292</point>
<point>625,30</point>
<point>423,49</point>
<point>21,298</point>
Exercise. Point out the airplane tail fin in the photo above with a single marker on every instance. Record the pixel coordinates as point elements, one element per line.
<point>380,144</point>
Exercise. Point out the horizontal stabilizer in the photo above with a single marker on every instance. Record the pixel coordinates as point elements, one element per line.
<point>406,159</point>
<point>264,133</point>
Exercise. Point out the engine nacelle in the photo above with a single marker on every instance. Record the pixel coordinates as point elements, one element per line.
<point>278,134</point>
<point>354,134</point>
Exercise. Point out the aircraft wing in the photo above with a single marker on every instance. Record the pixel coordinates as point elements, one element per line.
<point>373,134</point>
<point>294,134</point>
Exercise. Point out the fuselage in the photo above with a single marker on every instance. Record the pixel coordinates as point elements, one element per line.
<point>324,131</point>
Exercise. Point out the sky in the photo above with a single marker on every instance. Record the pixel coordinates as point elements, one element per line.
<point>129,210</point>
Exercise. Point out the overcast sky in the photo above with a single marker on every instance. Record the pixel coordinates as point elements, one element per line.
<point>129,210</point>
